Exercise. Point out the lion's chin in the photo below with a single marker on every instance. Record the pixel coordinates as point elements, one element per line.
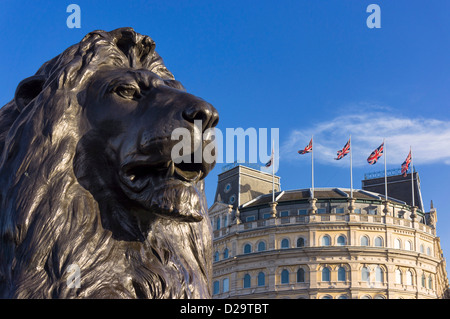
<point>168,198</point>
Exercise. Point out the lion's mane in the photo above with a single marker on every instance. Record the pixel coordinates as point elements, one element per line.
<point>48,221</point>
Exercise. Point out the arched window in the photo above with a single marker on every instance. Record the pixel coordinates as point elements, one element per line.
<point>301,242</point>
<point>326,240</point>
<point>341,241</point>
<point>326,274</point>
<point>285,276</point>
<point>428,251</point>
<point>247,281</point>
<point>300,275</point>
<point>261,279</point>
<point>285,243</point>
<point>341,274</point>
<point>365,274</point>
<point>225,253</point>
<point>247,249</point>
<point>327,297</point>
<point>261,246</point>
<point>343,297</point>
<point>422,249</point>
<point>424,281</point>
<point>379,274</point>
<point>409,277</point>
<point>397,244</point>
<point>408,245</point>
<point>398,276</point>
<point>430,282</point>
<point>225,221</point>
<point>364,241</point>
<point>379,242</point>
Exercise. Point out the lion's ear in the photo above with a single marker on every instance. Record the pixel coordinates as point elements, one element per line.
<point>27,90</point>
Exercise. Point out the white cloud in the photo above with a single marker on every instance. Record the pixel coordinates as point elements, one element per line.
<point>429,138</point>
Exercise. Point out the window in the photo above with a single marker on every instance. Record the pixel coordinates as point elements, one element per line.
<point>285,243</point>
<point>424,280</point>
<point>216,287</point>
<point>422,249</point>
<point>343,297</point>
<point>326,274</point>
<point>408,245</point>
<point>428,251</point>
<point>341,274</point>
<point>247,249</point>
<point>247,281</point>
<point>378,242</point>
<point>397,243</point>
<point>326,241</point>
<point>364,241</point>
<point>300,275</point>
<point>322,211</point>
<point>216,256</point>
<point>227,188</point>
<point>250,218</point>
<point>409,277</point>
<point>339,210</point>
<point>302,212</point>
<point>327,297</point>
<point>398,276</point>
<point>357,211</point>
<point>300,242</point>
<point>430,282</point>
<point>226,285</point>
<point>232,199</point>
<point>261,279</point>
<point>341,241</point>
<point>225,253</point>
<point>261,246</point>
<point>225,221</point>
<point>372,211</point>
<point>365,274</point>
<point>285,276</point>
<point>267,215</point>
<point>284,213</point>
<point>217,223</point>
<point>379,274</point>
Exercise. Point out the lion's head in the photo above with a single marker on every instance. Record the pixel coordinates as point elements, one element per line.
<point>87,177</point>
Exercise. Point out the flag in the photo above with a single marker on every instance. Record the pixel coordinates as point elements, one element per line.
<point>406,164</point>
<point>308,149</point>
<point>373,158</point>
<point>270,162</point>
<point>345,150</point>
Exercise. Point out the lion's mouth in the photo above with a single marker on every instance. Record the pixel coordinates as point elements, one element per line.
<point>138,176</point>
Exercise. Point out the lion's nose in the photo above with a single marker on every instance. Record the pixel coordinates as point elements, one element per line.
<point>204,112</point>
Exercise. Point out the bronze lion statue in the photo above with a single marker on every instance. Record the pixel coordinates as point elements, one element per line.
<point>87,178</point>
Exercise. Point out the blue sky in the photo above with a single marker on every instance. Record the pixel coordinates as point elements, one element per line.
<point>304,66</point>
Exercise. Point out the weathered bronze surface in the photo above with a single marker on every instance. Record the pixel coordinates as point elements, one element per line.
<point>87,178</point>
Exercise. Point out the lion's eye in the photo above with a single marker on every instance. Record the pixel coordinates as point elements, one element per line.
<point>127,91</point>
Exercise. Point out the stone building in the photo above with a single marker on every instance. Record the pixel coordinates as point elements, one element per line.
<point>331,246</point>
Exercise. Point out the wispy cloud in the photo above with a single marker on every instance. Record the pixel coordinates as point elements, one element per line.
<point>429,138</point>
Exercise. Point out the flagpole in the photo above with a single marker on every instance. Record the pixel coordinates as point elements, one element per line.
<point>412,177</point>
<point>312,166</point>
<point>351,169</point>
<point>385,174</point>
<point>273,173</point>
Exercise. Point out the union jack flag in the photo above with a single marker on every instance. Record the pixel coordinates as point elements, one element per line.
<point>270,162</point>
<point>373,158</point>
<point>308,149</point>
<point>406,164</point>
<point>345,150</point>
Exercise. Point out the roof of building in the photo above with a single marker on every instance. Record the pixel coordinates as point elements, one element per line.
<point>319,193</point>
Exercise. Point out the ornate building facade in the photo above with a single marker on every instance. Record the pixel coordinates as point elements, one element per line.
<point>332,246</point>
